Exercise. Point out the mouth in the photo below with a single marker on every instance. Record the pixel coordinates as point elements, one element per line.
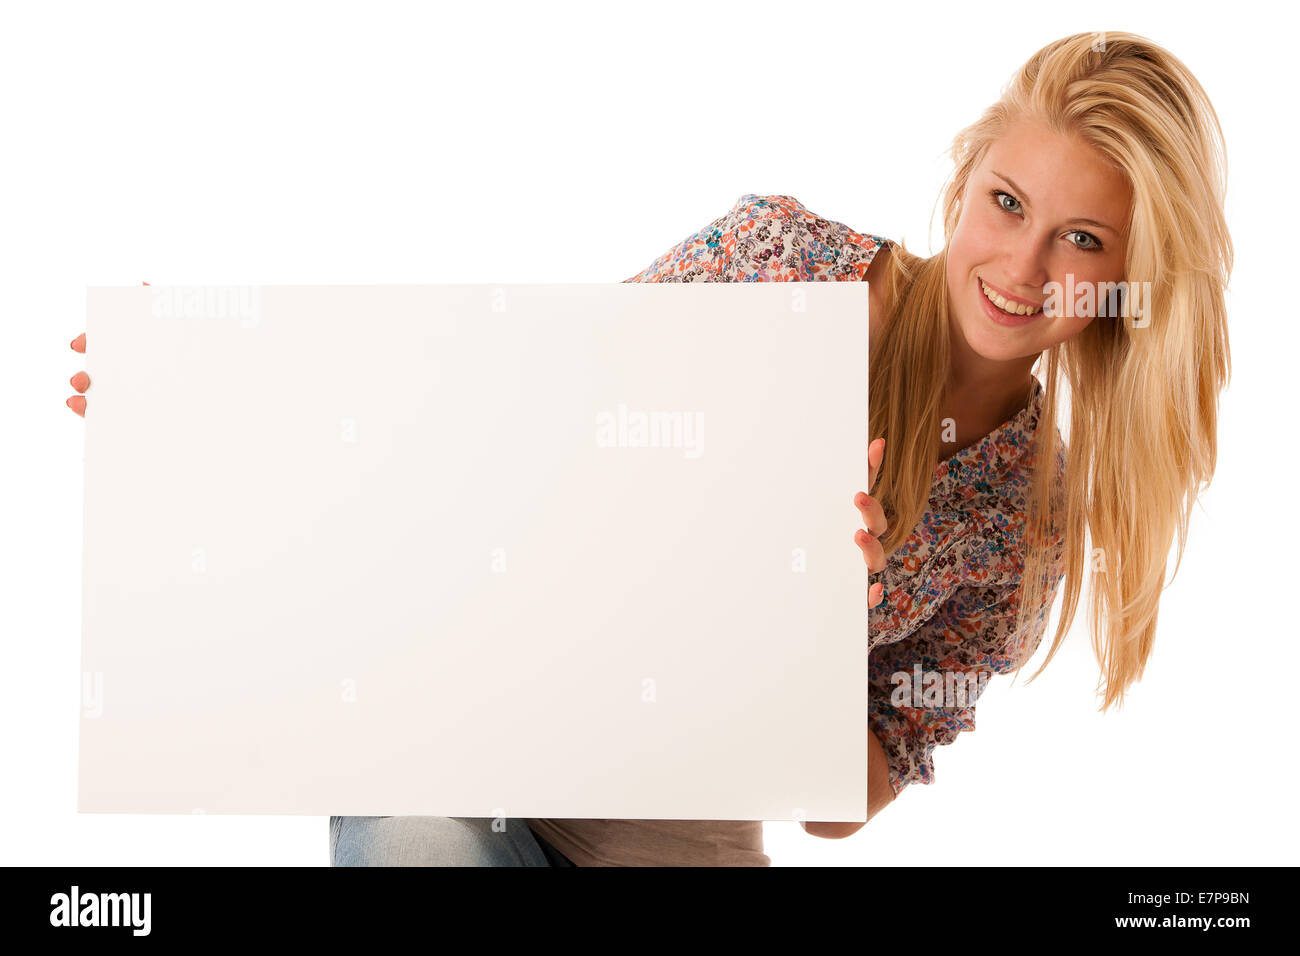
<point>1004,308</point>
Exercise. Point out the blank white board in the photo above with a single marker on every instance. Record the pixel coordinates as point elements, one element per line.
<point>469,550</point>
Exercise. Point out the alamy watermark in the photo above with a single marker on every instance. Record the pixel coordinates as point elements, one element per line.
<point>240,303</point>
<point>75,908</point>
<point>630,428</point>
<point>1131,300</point>
<point>921,688</point>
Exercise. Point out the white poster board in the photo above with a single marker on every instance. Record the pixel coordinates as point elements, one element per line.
<point>472,550</point>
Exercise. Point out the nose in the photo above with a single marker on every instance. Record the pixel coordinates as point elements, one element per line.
<point>1025,264</point>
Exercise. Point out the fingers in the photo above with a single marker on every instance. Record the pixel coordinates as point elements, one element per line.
<point>872,551</point>
<point>873,515</point>
<point>875,452</point>
<point>80,381</point>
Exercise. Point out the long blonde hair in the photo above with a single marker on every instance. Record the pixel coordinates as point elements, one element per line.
<point>1142,398</point>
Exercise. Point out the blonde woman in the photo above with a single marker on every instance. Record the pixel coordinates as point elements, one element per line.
<point>1084,240</point>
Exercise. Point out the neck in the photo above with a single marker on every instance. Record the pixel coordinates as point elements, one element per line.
<point>982,393</point>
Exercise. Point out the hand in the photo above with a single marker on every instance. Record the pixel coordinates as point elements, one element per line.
<point>873,517</point>
<point>80,381</point>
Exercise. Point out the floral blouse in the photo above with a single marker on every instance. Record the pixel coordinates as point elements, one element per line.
<point>951,590</point>
<point>766,239</point>
<point>951,598</point>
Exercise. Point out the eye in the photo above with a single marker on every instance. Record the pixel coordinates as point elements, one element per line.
<point>1084,240</point>
<point>1006,201</point>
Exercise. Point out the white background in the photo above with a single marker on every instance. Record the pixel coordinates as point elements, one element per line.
<point>563,142</point>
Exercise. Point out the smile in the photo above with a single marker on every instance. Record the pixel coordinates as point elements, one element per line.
<point>1008,304</point>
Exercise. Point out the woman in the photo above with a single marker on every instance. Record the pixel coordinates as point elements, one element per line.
<point>1085,238</point>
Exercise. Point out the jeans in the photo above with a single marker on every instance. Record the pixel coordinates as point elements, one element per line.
<point>438,841</point>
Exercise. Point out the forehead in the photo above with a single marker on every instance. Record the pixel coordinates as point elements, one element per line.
<point>1062,175</point>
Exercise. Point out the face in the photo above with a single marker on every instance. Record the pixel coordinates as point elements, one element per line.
<point>1039,207</point>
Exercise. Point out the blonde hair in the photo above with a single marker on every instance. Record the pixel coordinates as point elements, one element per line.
<point>1142,400</point>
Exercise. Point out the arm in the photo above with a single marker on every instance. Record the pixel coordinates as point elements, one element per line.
<point>879,795</point>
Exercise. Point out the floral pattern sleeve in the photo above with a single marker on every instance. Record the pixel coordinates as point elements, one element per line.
<point>766,239</point>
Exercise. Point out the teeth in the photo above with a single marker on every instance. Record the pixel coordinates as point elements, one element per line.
<point>1011,308</point>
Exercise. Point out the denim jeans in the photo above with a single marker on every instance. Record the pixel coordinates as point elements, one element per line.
<point>438,841</point>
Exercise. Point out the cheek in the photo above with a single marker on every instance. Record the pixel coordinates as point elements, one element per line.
<point>1065,329</point>
<point>962,250</point>
<point>1069,273</point>
<point>974,243</point>
<point>977,236</point>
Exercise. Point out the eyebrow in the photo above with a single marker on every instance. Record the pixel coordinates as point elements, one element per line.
<point>1089,222</point>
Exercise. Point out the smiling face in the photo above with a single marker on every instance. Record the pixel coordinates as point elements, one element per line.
<point>1038,207</point>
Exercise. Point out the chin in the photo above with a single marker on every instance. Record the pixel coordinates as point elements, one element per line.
<point>996,344</point>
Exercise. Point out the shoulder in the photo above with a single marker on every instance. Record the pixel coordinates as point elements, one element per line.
<point>767,238</point>
<point>788,241</point>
